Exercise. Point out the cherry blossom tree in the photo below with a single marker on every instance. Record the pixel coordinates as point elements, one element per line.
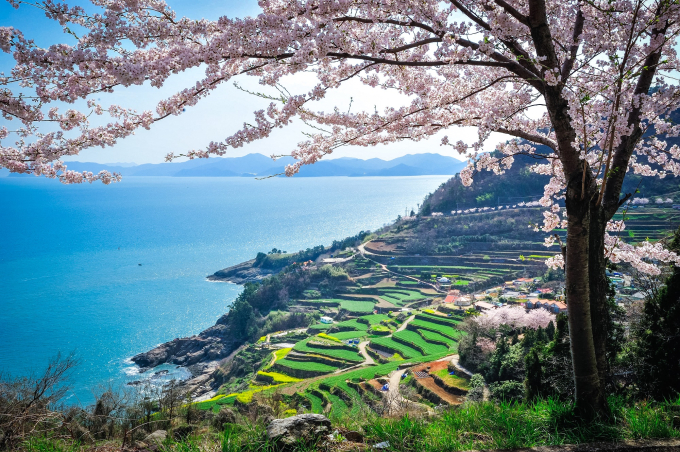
<point>585,85</point>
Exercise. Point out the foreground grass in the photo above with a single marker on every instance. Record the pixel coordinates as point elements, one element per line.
<point>472,426</point>
<point>546,423</point>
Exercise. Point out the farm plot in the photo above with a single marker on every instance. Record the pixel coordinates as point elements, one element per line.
<point>351,324</point>
<point>275,378</point>
<point>320,326</point>
<point>437,319</point>
<point>374,319</point>
<point>338,406</point>
<point>302,368</point>
<point>346,355</point>
<point>315,403</point>
<point>444,330</point>
<point>433,337</point>
<point>390,344</point>
<point>416,341</point>
<point>345,335</point>
<point>357,306</point>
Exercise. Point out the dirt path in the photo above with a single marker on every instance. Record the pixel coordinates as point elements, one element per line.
<point>364,353</point>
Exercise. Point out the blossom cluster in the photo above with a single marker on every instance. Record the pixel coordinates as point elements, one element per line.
<point>462,63</point>
<point>515,317</point>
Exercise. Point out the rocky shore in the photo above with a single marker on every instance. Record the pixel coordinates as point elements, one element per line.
<point>242,273</point>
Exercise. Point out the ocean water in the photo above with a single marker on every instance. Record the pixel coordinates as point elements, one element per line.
<point>70,273</point>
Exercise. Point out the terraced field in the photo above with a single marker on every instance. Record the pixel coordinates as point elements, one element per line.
<point>417,342</point>
<point>392,346</point>
<point>343,354</point>
<point>355,306</point>
<point>443,330</point>
<point>289,367</point>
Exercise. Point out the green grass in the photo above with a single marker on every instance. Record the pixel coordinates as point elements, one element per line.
<point>357,306</point>
<point>461,283</point>
<point>315,402</point>
<point>374,318</point>
<point>344,335</point>
<point>352,324</point>
<point>513,426</point>
<point>417,342</point>
<point>346,355</point>
<point>437,319</point>
<point>431,336</point>
<point>306,365</point>
<point>444,330</point>
<point>392,345</point>
<point>320,326</point>
<point>216,402</point>
<point>338,407</point>
<point>453,380</point>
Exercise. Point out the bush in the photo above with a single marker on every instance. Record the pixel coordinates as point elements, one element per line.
<point>507,391</point>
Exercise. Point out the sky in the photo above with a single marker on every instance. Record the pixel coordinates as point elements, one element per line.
<point>224,111</point>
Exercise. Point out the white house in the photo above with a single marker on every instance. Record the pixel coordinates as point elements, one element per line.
<point>444,280</point>
<point>326,320</point>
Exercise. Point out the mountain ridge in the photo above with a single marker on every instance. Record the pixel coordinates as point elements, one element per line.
<point>258,165</point>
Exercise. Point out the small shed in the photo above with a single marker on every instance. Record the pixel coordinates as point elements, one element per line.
<point>326,320</point>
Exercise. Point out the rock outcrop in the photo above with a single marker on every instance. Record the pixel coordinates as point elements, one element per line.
<point>242,273</point>
<point>212,344</point>
<point>307,428</point>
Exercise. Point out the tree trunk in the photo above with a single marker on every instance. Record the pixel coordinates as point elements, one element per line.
<point>590,400</point>
<point>599,285</point>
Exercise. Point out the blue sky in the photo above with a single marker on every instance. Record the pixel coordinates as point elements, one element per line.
<point>224,111</point>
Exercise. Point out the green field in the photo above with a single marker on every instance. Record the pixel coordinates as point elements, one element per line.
<point>306,365</point>
<point>397,347</point>
<point>357,306</point>
<point>374,319</point>
<point>346,355</point>
<point>437,319</point>
<point>352,324</point>
<point>431,336</point>
<point>417,342</point>
<point>444,330</point>
<point>344,335</point>
<point>316,404</point>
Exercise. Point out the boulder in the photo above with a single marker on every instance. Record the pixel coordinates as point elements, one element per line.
<point>156,437</point>
<point>224,416</point>
<point>182,432</point>
<point>305,428</point>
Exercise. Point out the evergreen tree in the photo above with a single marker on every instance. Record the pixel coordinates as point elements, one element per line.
<point>534,374</point>
<point>657,350</point>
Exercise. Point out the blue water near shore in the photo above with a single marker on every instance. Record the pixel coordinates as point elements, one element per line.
<point>70,277</point>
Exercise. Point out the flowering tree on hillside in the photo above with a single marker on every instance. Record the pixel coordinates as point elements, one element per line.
<point>585,85</point>
<point>515,317</point>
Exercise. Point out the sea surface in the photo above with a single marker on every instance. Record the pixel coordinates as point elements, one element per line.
<point>112,271</point>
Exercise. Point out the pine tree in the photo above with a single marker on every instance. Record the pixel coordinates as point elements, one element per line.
<point>657,366</point>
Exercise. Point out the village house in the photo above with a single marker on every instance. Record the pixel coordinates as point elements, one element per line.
<point>482,306</point>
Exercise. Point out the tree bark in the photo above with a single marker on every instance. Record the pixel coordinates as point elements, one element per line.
<point>598,285</point>
<point>590,400</point>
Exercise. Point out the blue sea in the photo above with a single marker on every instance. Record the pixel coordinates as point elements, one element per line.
<point>70,273</point>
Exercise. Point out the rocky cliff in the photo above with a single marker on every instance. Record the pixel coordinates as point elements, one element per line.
<point>212,344</point>
<point>242,273</point>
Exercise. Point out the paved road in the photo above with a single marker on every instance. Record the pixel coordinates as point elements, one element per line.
<point>367,357</point>
<point>403,326</point>
<point>363,252</point>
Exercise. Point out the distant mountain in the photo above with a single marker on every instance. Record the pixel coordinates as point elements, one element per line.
<point>258,165</point>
